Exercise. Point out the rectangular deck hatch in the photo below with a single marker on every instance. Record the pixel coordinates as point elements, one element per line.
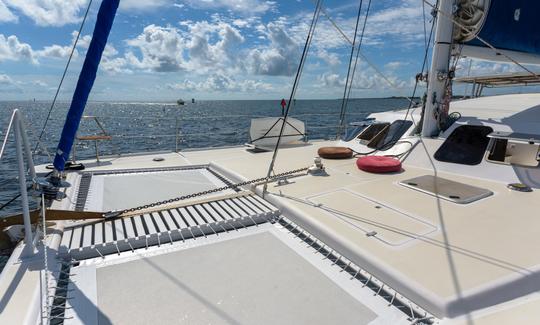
<point>446,189</point>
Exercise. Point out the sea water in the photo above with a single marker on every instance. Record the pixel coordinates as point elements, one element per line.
<point>140,127</point>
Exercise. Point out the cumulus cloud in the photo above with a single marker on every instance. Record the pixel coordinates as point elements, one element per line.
<point>279,58</point>
<point>219,54</point>
<point>480,67</point>
<point>139,5</point>
<point>241,6</point>
<point>402,22</point>
<point>204,46</point>
<point>56,51</point>
<point>393,65</point>
<point>245,7</point>
<point>161,49</point>
<point>6,80</point>
<point>220,83</point>
<point>49,12</point>
<point>8,85</point>
<point>6,16</point>
<point>364,80</point>
<point>11,49</point>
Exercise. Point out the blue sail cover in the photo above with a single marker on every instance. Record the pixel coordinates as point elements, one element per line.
<point>104,22</point>
<point>512,25</point>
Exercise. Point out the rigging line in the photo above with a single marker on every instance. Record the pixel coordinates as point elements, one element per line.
<point>344,111</point>
<point>314,20</point>
<point>63,77</point>
<point>424,23</point>
<point>424,67</point>
<point>480,39</point>
<point>368,61</point>
<point>353,46</point>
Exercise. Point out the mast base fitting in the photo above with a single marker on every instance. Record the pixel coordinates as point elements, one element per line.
<point>50,186</point>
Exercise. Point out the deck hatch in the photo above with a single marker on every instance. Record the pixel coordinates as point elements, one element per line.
<point>166,226</point>
<point>446,189</point>
<point>374,218</point>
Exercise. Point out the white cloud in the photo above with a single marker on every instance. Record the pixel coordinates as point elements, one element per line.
<point>203,47</point>
<point>393,65</point>
<point>54,51</point>
<point>402,23</point>
<point>39,83</point>
<point>221,54</point>
<point>241,6</point>
<point>11,49</point>
<point>6,80</point>
<point>480,67</point>
<point>220,83</point>
<point>331,80</point>
<point>161,49</point>
<point>49,12</point>
<point>6,16</point>
<point>8,85</point>
<point>246,7</point>
<point>364,79</point>
<point>279,58</point>
<point>330,58</point>
<point>142,5</point>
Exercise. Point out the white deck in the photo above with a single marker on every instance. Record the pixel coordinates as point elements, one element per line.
<point>456,261</point>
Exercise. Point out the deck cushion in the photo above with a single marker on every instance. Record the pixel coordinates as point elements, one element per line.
<point>378,164</point>
<point>335,152</point>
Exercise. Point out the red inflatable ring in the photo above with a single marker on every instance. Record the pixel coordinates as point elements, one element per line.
<point>378,164</point>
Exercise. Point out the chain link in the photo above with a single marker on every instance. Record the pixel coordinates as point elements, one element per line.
<point>114,214</point>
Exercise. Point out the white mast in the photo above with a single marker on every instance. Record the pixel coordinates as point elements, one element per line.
<point>440,63</point>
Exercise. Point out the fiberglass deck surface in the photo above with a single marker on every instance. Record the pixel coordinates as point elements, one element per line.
<point>471,251</point>
<point>435,252</point>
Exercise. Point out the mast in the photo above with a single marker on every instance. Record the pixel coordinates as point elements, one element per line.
<point>105,18</point>
<point>439,72</point>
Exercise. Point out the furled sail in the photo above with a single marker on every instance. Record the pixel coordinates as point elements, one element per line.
<point>105,18</point>
<point>509,26</point>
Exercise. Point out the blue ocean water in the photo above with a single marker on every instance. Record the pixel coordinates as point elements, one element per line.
<point>138,127</point>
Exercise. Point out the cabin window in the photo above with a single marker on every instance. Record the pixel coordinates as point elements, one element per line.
<point>514,149</point>
<point>392,134</point>
<point>466,145</point>
<point>372,132</point>
<point>384,134</point>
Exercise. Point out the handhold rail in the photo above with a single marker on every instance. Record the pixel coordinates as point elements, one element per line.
<point>21,144</point>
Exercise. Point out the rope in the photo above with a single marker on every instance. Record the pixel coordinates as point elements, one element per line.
<point>343,102</point>
<point>63,77</point>
<point>390,144</point>
<point>368,61</point>
<point>346,100</point>
<point>294,87</point>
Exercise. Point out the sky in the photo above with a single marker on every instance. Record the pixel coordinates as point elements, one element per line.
<point>162,50</point>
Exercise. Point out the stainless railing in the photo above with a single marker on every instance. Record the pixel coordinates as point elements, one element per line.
<point>16,124</point>
<point>178,132</point>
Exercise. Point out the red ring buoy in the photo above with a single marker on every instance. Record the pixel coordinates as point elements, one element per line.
<point>379,164</point>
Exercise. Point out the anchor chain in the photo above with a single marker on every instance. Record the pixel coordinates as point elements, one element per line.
<point>118,213</point>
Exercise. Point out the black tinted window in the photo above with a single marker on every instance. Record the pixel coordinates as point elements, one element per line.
<point>466,145</point>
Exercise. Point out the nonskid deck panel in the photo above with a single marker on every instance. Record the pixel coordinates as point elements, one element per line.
<point>166,226</point>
